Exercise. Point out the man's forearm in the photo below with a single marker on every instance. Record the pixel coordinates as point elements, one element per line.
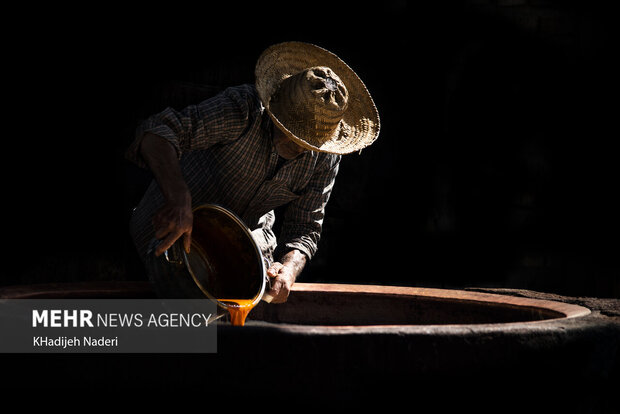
<point>295,261</point>
<point>175,218</point>
<point>162,160</point>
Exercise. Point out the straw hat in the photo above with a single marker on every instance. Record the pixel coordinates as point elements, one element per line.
<point>316,99</point>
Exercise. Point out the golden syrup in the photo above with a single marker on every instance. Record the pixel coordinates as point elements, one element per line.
<point>238,309</point>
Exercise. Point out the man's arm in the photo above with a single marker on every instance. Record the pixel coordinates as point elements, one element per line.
<point>175,218</point>
<point>162,139</point>
<point>301,230</point>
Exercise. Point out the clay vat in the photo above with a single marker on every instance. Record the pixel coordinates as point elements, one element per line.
<point>340,306</point>
<point>341,342</point>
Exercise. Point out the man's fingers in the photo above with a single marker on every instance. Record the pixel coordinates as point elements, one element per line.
<point>162,231</point>
<point>167,243</point>
<point>280,297</point>
<point>273,293</point>
<point>187,241</point>
<point>274,269</point>
<point>272,296</point>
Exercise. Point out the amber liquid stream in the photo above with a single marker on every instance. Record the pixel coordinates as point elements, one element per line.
<point>238,309</point>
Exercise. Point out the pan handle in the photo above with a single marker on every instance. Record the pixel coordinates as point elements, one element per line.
<point>172,255</point>
<point>172,261</point>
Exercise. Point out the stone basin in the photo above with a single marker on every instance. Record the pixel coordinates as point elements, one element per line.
<point>336,342</point>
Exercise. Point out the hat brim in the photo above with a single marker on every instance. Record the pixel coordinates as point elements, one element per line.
<point>360,123</point>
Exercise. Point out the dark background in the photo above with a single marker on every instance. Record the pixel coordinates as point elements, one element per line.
<point>495,166</point>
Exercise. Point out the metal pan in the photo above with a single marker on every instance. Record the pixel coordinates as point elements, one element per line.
<point>224,261</point>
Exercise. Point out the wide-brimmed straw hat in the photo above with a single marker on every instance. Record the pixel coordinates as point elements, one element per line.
<point>316,99</point>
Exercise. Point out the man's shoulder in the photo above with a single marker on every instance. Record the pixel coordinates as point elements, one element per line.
<point>244,96</point>
<point>247,91</point>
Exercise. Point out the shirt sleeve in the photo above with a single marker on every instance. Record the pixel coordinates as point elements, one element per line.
<point>303,218</point>
<point>220,119</point>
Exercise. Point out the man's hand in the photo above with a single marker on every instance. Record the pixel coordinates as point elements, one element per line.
<point>282,279</point>
<point>283,275</point>
<point>173,221</point>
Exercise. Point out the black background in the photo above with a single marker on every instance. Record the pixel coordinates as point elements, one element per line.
<point>496,163</point>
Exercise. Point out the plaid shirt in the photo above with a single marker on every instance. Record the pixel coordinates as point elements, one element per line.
<point>226,152</point>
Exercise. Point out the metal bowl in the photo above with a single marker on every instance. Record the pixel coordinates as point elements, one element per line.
<point>224,261</point>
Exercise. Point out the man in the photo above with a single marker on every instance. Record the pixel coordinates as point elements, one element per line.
<point>254,148</point>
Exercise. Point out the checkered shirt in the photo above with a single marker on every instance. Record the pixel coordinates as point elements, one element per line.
<point>227,156</point>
